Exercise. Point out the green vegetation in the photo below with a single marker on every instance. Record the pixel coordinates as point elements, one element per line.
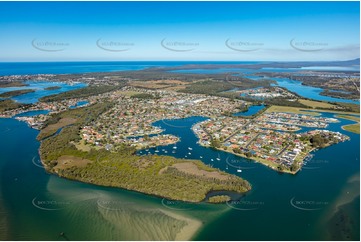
<point>215,143</point>
<point>219,199</point>
<point>80,93</point>
<point>349,117</point>
<point>316,104</point>
<point>351,107</point>
<point>208,87</point>
<point>354,128</point>
<point>295,167</point>
<point>15,93</point>
<point>12,84</point>
<point>77,117</point>
<point>144,175</point>
<point>52,88</point>
<point>318,141</point>
<point>156,175</point>
<point>9,104</point>
<point>282,109</point>
<point>346,95</point>
<point>213,87</point>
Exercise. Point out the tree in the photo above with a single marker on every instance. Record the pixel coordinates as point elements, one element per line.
<point>295,166</point>
<point>146,137</point>
<point>215,143</point>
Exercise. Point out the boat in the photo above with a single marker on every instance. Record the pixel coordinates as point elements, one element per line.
<point>174,147</point>
<point>189,153</point>
<point>212,160</point>
<point>226,167</point>
<point>189,148</point>
<point>201,157</point>
<point>165,151</point>
<point>239,170</point>
<point>218,159</point>
<point>156,151</point>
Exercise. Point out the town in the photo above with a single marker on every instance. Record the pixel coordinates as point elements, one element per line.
<point>272,138</point>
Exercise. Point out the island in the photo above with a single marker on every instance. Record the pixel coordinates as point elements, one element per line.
<point>52,88</point>
<point>11,82</point>
<point>16,93</point>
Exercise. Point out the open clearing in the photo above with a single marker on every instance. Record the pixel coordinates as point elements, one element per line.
<point>67,161</point>
<point>283,109</point>
<point>191,168</point>
<point>354,128</point>
<point>52,128</point>
<point>316,104</point>
<point>160,84</point>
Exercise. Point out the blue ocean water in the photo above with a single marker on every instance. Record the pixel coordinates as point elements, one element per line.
<point>28,68</point>
<point>39,87</point>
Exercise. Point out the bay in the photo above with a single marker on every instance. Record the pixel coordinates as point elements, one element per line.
<point>40,91</point>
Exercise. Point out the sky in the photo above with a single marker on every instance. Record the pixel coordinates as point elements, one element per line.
<point>193,31</point>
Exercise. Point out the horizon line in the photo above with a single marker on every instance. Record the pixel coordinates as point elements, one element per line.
<point>55,61</point>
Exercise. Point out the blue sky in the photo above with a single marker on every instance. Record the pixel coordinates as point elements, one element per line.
<point>126,31</point>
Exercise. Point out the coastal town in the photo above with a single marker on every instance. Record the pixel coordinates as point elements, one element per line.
<point>273,138</point>
<point>255,139</point>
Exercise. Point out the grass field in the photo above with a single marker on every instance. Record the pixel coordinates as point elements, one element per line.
<point>316,104</point>
<point>354,128</point>
<point>309,111</point>
<point>159,84</point>
<point>283,109</point>
<point>353,118</point>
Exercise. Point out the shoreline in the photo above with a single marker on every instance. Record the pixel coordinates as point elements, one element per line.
<point>352,118</point>
<point>258,160</point>
<point>131,190</point>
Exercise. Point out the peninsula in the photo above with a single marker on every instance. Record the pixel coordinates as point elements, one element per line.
<point>98,142</point>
